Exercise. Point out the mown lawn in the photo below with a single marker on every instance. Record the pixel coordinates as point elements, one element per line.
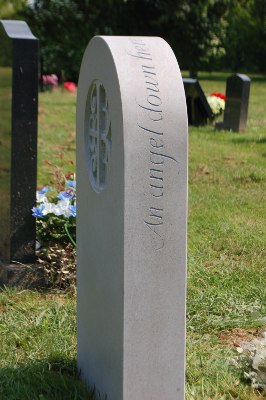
<point>226,263</point>
<point>226,247</point>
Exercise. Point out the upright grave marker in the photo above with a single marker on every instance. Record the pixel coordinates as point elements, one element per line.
<point>18,140</point>
<point>198,108</point>
<point>236,105</point>
<point>132,217</point>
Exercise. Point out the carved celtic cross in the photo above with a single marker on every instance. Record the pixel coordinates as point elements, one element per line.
<point>99,136</point>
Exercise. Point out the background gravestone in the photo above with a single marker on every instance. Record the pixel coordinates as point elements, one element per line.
<point>198,108</point>
<point>18,140</point>
<point>236,105</point>
<point>132,216</point>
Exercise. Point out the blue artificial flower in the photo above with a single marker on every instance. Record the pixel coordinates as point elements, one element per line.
<point>44,190</point>
<point>73,210</point>
<point>71,184</point>
<point>38,211</point>
<point>68,194</point>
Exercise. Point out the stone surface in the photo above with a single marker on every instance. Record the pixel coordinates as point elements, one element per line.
<point>198,108</point>
<point>18,140</point>
<point>132,218</point>
<point>236,105</point>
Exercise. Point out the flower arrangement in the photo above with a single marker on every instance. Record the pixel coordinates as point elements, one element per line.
<point>217,103</point>
<point>49,81</point>
<point>55,212</point>
<point>219,95</point>
<point>70,86</point>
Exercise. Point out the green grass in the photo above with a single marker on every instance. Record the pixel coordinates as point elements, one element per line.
<point>57,133</point>
<point>226,246</point>
<point>226,262</point>
<point>38,347</point>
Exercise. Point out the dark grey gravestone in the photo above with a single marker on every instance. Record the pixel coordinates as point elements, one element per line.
<point>18,140</point>
<point>236,105</point>
<point>198,108</point>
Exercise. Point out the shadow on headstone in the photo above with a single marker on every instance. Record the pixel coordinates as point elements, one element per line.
<point>198,108</point>
<point>18,140</point>
<point>236,105</point>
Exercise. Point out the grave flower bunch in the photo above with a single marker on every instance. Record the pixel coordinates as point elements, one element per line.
<point>217,103</point>
<point>55,213</point>
<point>49,81</point>
<point>70,86</point>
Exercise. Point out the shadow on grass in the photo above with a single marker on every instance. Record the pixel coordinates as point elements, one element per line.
<point>60,104</point>
<point>52,379</point>
<point>240,140</point>
<point>222,76</point>
<point>216,76</point>
<point>210,76</point>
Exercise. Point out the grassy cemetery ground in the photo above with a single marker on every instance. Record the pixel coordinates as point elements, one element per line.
<point>226,302</point>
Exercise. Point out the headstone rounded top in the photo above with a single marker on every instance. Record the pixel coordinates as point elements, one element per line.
<point>243,77</point>
<point>125,80</point>
<point>17,29</point>
<point>189,80</point>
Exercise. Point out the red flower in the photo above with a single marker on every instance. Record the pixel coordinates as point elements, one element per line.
<point>70,86</point>
<point>220,95</point>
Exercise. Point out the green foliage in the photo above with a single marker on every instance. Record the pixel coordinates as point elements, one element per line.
<point>194,29</point>
<point>203,34</point>
<point>11,9</point>
<point>56,229</point>
<point>245,41</point>
<point>64,29</point>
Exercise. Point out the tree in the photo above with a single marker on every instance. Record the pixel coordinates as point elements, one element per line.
<point>64,28</point>
<point>202,33</point>
<point>11,9</point>
<point>194,30</point>
<point>245,41</point>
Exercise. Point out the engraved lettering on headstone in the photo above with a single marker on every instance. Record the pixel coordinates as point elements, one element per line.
<point>152,105</point>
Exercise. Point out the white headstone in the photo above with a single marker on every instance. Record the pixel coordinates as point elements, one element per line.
<point>132,217</point>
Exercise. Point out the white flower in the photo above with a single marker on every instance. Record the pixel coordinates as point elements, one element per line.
<point>48,207</point>
<point>40,197</point>
<point>62,208</point>
<point>217,105</point>
<point>40,194</point>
